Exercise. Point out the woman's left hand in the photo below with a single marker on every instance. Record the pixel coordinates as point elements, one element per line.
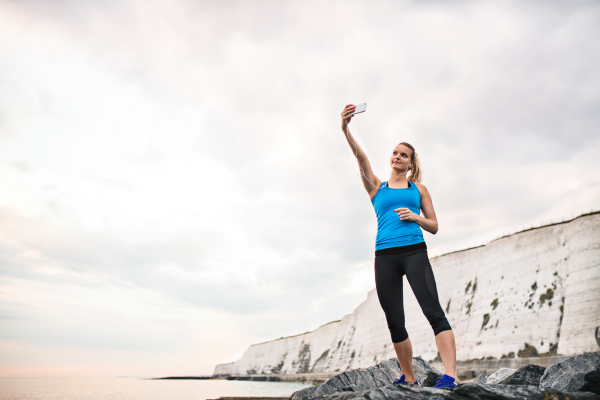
<point>405,214</point>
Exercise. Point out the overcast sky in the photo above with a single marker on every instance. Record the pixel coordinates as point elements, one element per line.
<point>175,186</point>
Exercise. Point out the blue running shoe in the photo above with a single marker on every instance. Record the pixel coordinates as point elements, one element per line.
<point>445,382</point>
<point>402,381</point>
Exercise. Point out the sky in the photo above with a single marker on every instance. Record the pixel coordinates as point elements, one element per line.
<point>175,185</point>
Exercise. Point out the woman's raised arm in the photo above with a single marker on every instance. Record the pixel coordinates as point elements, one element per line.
<point>370,181</point>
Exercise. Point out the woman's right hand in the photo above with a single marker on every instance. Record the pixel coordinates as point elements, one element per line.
<point>349,109</point>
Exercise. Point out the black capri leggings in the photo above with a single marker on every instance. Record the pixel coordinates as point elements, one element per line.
<point>389,269</point>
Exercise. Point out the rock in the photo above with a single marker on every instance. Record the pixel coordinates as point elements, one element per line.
<point>375,383</point>
<point>481,379</point>
<point>378,376</point>
<point>528,375</point>
<point>425,373</point>
<point>501,373</point>
<point>462,392</point>
<point>580,373</point>
<point>598,335</point>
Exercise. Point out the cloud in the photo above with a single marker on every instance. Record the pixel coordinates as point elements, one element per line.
<point>192,151</point>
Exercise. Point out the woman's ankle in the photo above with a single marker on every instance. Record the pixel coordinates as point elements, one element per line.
<point>454,375</point>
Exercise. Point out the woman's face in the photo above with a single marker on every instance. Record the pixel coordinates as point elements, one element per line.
<point>400,159</point>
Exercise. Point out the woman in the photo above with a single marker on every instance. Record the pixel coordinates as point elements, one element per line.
<point>400,250</point>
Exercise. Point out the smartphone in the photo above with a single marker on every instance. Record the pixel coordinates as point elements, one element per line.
<point>360,108</point>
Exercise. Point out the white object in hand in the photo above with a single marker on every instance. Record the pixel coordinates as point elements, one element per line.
<point>362,107</point>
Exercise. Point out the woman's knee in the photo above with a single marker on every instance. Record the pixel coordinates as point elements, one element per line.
<point>399,334</point>
<point>439,322</point>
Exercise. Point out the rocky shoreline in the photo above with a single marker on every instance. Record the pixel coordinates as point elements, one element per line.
<point>577,378</point>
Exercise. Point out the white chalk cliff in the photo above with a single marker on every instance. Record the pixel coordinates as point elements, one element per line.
<point>540,286</point>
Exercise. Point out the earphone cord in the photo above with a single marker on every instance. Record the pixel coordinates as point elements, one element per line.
<point>362,171</point>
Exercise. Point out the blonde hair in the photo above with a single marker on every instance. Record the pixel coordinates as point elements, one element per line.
<point>415,170</point>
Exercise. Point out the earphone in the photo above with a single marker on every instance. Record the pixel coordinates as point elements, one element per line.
<point>362,171</point>
<point>405,172</point>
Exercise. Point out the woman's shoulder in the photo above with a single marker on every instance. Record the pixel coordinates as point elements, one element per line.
<point>422,188</point>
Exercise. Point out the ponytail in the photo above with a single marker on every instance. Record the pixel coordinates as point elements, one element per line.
<point>415,169</point>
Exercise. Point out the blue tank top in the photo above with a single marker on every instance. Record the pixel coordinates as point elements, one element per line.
<point>391,231</point>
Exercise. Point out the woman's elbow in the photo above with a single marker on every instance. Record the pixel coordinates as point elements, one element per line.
<point>434,230</point>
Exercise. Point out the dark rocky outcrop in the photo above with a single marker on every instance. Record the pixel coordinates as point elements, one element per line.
<point>375,383</point>
<point>529,375</point>
<point>481,378</point>
<point>462,392</point>
<point>378,376</point>
<point>580,373</point>
<point>425,373</point>
<point>501,373</point>
<point>598,335</point>
<point>577,378</point>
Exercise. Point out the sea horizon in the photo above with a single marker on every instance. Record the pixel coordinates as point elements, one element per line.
<point>128,388</point>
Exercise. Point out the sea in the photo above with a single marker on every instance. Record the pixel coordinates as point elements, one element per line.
<point>137,389</point>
